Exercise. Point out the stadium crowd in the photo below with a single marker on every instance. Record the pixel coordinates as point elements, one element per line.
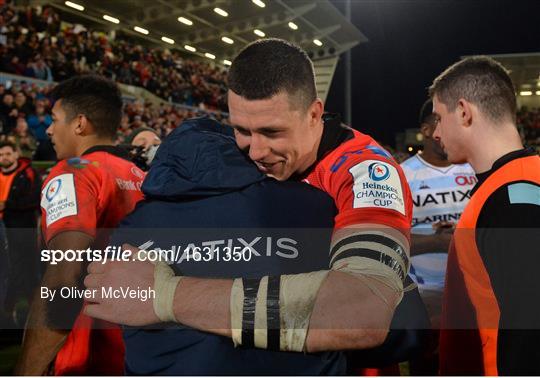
<point>25,114</point>
<point>37,44</point>
<point>528,121</point>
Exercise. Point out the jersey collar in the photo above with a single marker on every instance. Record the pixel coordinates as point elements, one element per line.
<point>334,134</point>
<point>113,150</point>
<point>529,151</point>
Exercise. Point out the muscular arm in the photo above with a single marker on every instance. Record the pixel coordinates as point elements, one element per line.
<point>50,322</point>
<point>347,313</point>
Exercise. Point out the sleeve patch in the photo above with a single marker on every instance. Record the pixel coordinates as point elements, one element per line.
<point>59,199</point>
<point>377,185</point>
<point>524,193</point>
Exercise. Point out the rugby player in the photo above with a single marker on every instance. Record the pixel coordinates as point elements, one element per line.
<point>278,121</point>
<point>491,318</point>
<point>88,192</point>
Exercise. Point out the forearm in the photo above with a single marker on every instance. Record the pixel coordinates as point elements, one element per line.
<point>40,343</point>
<point>346,314</point>
<point>51,319</point>
<point>204,304</point>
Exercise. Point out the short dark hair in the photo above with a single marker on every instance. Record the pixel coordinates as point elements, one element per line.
<point>426,113</point>
<point>7,143</point>
<point>96,97</point>
<point>480,80</point>
<point>269,66</point>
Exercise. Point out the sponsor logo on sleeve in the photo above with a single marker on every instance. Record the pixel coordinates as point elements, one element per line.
<point>58,198</point>
<point>377,185</point>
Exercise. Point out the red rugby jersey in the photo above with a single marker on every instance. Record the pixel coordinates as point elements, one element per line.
<point>366,183</point>
<point>90,194</point>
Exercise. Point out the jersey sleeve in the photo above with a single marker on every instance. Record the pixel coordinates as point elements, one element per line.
<point>69,200</point>
<point>372,189</point>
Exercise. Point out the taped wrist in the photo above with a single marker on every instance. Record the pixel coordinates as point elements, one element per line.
<point>165,283</point>
<point>274,312</point>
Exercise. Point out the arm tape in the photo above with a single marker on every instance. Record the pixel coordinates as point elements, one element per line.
<point>256,305</point>
<point>165,283</point>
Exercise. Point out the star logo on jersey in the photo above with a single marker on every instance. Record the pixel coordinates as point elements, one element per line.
<point>378,172</point>
<point>53,189</point>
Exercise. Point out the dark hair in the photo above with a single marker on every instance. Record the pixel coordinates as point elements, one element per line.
<point>267,67</point>
<point>480,80</point>
<point>7,143</point>
<point>96,97</point>
<point>426,113</point>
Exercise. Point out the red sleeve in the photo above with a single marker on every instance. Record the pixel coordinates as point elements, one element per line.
<point>69,200</point>
<point>368,188</point>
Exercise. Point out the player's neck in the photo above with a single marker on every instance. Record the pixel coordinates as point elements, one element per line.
<point>92,142</point>
<point>497,144</point>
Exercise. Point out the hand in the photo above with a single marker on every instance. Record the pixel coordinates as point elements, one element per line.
<point>444,227</point>
<point>2,205</point>
<point>116,276</point>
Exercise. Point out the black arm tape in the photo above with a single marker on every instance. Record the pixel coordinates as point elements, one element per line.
<point>396,247</point>
<point>273,314</point>
<point>251,287</point>
<point>383,258</point>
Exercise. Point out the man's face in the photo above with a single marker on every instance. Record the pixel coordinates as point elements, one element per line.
<point>62,132</point>
<point>22,126</point>
<point>449,132</point>
<point>8,157</point>
<point>281,138</point>
<point>146,139</point>
<point>20,98</point>
<point>8,99</point>
<point>40,108</point>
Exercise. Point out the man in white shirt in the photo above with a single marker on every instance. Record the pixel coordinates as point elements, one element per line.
<point>440,191</point>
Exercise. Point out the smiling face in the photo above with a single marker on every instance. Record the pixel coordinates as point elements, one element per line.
<point>450,132</point>
<point>282,139</point>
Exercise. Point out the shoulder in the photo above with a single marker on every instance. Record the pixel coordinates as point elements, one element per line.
<point>360,148</point>
<point>515,204</point>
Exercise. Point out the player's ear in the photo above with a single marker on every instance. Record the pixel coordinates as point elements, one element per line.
<point>315,111</point>
<point>83,125</point>
<point>426,130</point>
<point>465,112</point>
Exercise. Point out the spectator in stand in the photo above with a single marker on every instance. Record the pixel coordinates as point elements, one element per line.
<point>19,203</point>
<point>9,113</point>
<point>22,104</point>
<point>77,50</point>
<point>38,123</point>
<point>23,139</point>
